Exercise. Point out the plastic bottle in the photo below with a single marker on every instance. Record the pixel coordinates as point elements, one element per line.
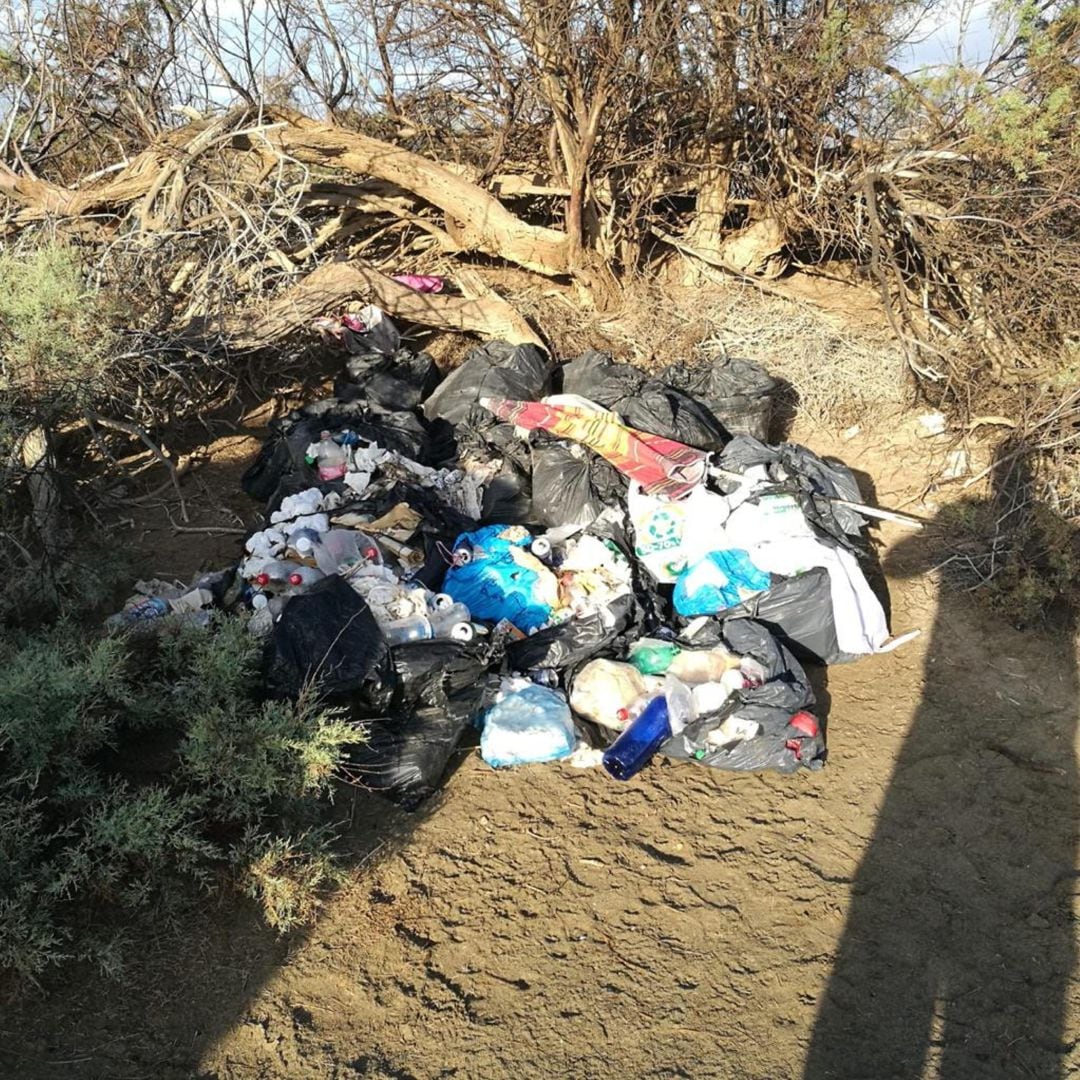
<point>342,549</point>
<point>703,665</point>
<point>633,749</point>
<point>284,576</point>
<point>302,542</point>
<point>402,631</point>
<point>680,704</point>
<point>653,657</point>
<point>329,458</point>
<point>265,610</point>
<point>452,622</point>
<point>627,714</point>
<point>302,578</point>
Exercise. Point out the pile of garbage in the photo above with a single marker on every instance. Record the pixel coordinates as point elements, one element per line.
<point>583,561</point>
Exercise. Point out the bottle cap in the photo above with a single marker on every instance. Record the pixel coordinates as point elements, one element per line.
<point>262,579</point>
<point>296,579</point>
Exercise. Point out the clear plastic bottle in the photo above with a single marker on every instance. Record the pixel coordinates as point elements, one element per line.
<point>403,631</point>
<point>680,703</point>
<point>452,622</point>
<point>302,542</point>
<point>285,576</point>
<point>328,457</point>
<point>302,578</point>
<point>627,714</point>
<point>337,550</point>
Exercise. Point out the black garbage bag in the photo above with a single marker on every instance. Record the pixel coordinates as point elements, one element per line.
<point>570,485</point>
<point>573,642</point>
<point>379,334</point>
<point>507,497</point>
<point>282,456</point>
<point>326,635</point>
<point>786,685</point>
<point>428,671</point>
<point>786,744</point>
<point>405,756</point>
<point>497,370</point>
<point>738,393</point>
<point>437,688</point>
<point>798,611</point>
<point>789,736</point>
<point>424,673</point>
<point>399,382</point>
<point>483,440</point>
<point>644,403</point>
<point>813,480</point>
<point>440,523</point>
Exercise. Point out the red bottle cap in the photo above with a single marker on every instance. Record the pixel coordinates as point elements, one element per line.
<point>296,579</point>
<point>370,553</point>
<point>262,579</point>
<point>622,714</point>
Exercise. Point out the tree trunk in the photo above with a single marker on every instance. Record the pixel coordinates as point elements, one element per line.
<point>36,457</point>
<point>483,222</point>
<point>706,232</point>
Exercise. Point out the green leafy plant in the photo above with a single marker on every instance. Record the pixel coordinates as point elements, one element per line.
<point>55,335</point>
<point>134,771</point>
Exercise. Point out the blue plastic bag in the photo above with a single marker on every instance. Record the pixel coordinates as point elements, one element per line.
<point>528,726</point>
<point>721,580</point>
<point>501,579</point>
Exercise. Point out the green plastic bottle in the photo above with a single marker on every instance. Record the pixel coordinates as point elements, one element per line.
<point>652,656</point>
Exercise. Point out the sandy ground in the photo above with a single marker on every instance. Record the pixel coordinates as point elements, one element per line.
<point>906,912</point>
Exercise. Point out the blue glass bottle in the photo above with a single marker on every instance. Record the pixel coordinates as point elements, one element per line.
<point>632,750</point>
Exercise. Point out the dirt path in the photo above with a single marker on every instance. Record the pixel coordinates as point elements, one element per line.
<point>906,912</point>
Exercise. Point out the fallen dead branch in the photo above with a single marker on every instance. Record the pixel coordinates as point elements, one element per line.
<point>332,287</point>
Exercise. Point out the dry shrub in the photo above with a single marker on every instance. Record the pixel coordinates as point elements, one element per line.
<point>1016,550</point>
<point>838,375</point>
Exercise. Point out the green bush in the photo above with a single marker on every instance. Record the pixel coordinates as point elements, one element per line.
<point>55,336</point>
<point>57,345</point>
<point>133,770</point>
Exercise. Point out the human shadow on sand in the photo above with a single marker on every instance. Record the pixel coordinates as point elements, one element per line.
<point>958,951</point>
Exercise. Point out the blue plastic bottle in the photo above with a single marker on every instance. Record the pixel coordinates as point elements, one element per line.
<point>632,750</point>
